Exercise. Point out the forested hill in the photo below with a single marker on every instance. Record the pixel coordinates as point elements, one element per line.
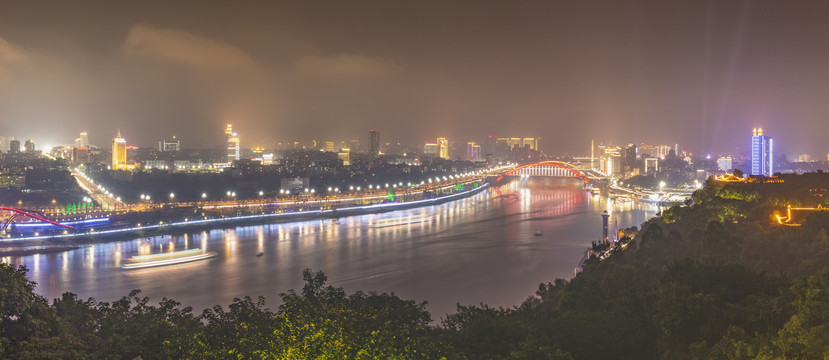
<point>718,278</point>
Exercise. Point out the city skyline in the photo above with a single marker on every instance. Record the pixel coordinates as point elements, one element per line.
<point>707,77</point>
<point>414,179</point>
<point>233,143</point>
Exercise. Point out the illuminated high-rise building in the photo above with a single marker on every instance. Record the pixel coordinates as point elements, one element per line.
<point>119,152</point>
<point>430,149</point>
<point>443,148</point>
<point>660,151</point>
<point>629,158</point>
<point>29,146</point>
<point>518,143</point>
<point>82,141</point>
<point>473,151</point>
<point>345,156</point>
<point>725,163</point>
<point>374,143</point>
<point>762,153</point>
<point>610,159</point>
<point>605,232</point>
<point>329,146</point>
<point>232,144</point>
<point>173,144</point>
<point>80,155</point>
<point>651,165</point>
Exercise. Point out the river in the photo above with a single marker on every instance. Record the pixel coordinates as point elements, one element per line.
<point>484,248</point>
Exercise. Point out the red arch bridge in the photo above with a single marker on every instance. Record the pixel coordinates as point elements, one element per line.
<point>554,169</point>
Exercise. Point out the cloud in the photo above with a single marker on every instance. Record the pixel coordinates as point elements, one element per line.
<point>343,67</point>
<point>10,54</point>
<point>184,48</point>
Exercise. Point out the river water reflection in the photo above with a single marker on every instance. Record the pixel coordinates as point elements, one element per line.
<point>480,249</point>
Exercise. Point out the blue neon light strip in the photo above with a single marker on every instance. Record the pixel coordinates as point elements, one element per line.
<point>75,222</point>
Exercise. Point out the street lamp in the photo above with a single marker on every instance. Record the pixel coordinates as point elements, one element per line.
<point>203,195</point>
<point>172,196</point>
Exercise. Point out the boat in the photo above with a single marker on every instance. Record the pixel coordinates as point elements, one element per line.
<point>407,220</point>
<point>539,233</point>
<point>171,258</point>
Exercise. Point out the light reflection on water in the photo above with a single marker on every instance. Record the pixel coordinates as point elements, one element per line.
<point>480,249</point>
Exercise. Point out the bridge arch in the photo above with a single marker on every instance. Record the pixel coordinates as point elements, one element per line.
<point>549,168</point>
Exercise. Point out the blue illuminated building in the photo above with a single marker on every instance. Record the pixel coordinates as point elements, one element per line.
<point>762,154</point>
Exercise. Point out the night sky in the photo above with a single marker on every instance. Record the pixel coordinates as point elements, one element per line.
<point>698,73</point>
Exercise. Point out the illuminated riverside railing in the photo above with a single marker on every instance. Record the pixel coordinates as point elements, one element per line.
<point>321,204</point>
<point>112,205</point>
<point>340,199</point>
<point>370,192</point>
<point>286,215</point>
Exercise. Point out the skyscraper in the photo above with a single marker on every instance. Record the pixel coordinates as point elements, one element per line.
<point>232,142</point>
<point>374,143</point>
<point>629,158</point>
<point>473,151</point>
<point>30,146</point>
<point>82,141</point>
<point>14,146</point>
<point>119,152</point>
<point>443,148</point>
<point>762,153</point>
<point>605,234</point>
<point>725,163</point>
<point>173,144</point>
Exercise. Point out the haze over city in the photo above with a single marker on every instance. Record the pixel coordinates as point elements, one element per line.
<point>696,73</point>
<point>559,180</point>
